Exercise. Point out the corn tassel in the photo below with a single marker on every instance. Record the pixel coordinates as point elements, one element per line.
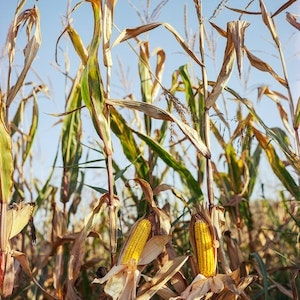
<point>204,248</point>
<point>136,242</point>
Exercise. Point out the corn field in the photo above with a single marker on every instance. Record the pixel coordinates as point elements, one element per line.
<point>158,188</point>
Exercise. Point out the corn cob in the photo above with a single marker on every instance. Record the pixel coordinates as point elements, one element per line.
<point>204,248</point>
<point>136,242</point>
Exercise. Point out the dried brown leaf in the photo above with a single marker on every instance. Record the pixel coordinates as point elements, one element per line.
<point>237,31</point>
<point>8,275</point>
<point>32,18</point>
<point>292,20</point>
<point>242,11</point>
<point>160,63</point>
<point>159,113</point>
<point>263,66</point>
<point>130,33</point>
<point>222,32</point>
<point>153,248</point>
<point>161,278</point>
<point>283,7</point>
<point>274,95</point>
<point>269,23</point>
<point>22,259</point>
<point>226,69</point>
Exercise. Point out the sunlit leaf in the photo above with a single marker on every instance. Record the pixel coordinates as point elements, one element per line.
<point>108,20</point>
<point>130,33</point>
<point>159,113</point>
<point>17,218</point>
<point>269,23</point>
<point>226,69</point>
<point>31,49</point>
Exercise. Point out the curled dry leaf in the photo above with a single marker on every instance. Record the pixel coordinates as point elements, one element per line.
<point>263,66</point>
<point>269,23</point>
<point>130,33</point>
<point>292,20</point>
<point>31,18</point>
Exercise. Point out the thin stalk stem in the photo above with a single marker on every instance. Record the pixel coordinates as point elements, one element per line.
<point>206,119</point>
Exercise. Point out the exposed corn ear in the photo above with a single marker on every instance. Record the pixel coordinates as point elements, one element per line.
<point>136,242</point>
<point>204,248</point>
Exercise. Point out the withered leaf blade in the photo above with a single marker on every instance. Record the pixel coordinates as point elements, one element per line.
<point>162,277</point>
<point>130,33</point>
<point>283,7</point>
<point>269,23</point>
<point>244,12</point>
<point>292,20</point>
<point>237,30</point>
<point>153,248</point>
<point>263,66</point>
<point>159,113</point>
<point>226,69</point>
<point>222,32</point>
<point>30,50</point>
<point>9,276</point>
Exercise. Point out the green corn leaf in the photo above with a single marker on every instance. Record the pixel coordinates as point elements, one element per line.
<point>146,80</point>
<point>33,129</point>
<point>277,165</point>
<point>91,84</point>
<point>234,170</point>
<point>131,149</point>
<point>297,115</point>
<point>6,163</point>
<point>189,95</point>
<point>71,146</point>
<point>177,166</point>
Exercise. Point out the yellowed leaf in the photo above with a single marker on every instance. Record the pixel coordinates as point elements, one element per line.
<point>153,248</point>
<point>18,217</point>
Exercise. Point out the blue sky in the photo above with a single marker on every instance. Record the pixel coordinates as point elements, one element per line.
<point>53,15</point>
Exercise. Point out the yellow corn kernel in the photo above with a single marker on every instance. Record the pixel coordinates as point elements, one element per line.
<point>136,242</point>
<point>204,248</point>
